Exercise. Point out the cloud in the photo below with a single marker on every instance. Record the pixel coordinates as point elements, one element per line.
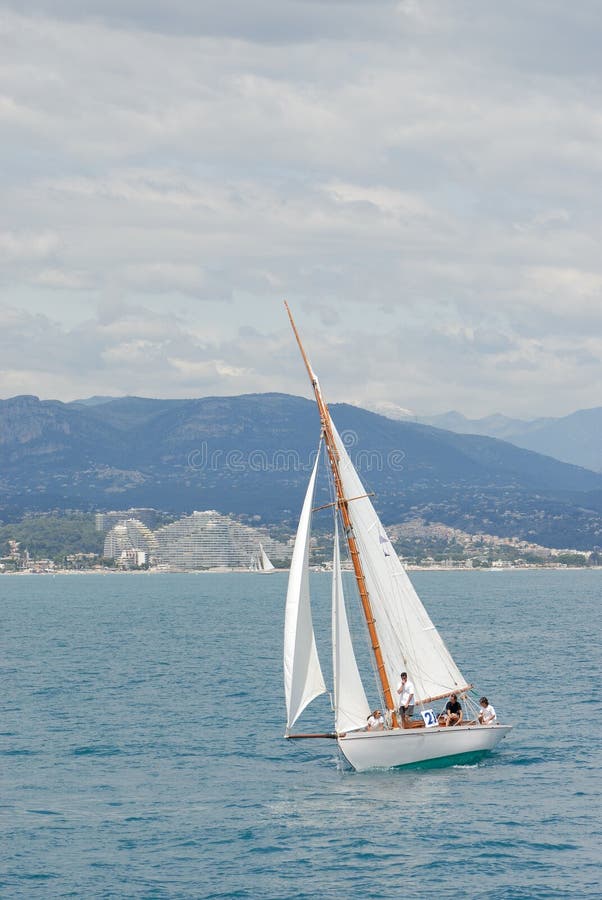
<point>285,21</point>
<point>123,349</point>
<point>418,178</point>
<point>26,247</point>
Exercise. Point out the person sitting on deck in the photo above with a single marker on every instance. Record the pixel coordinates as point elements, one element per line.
<point>375,721</point>
<point>453,712</point>
<point>487,714</point>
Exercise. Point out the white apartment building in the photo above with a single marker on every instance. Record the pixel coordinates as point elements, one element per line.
<point>130,534</point>
<point>208,539</point>
<point>132,559</point>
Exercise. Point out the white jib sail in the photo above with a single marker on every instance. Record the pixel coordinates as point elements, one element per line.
<point>408,639</point>
<point>303,680</point>
<point>266,563</point>
<point>350,703</point>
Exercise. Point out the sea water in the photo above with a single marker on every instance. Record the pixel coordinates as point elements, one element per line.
<point>142,750</point>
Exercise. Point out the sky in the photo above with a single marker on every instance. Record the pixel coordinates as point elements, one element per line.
<point>420,179</point>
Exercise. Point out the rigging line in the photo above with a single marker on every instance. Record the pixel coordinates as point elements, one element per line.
<point>440,647</point>
<point>356,607</point>
<point>364,630</point>
<point>407,646</point>
<point>366,633</point>
<point>388,617</point>
<point>382,617</point>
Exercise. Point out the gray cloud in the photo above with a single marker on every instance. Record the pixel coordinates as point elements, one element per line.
<point>417,177</point>
<point>288,21</point>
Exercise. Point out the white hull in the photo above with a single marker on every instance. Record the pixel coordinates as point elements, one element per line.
<point>404,746</point>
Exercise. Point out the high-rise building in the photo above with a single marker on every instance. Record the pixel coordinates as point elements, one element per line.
<point>209,539</point>
<point>130,534</point>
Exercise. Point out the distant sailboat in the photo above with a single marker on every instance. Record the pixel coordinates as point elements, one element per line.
<point>260,562</point>
<point>402,636</point>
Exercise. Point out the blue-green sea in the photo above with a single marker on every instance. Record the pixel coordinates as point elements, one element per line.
<point>141,749</point>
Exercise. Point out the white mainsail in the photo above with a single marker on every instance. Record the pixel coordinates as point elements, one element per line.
<point>303,680</point>
<point>408,639</point>
<point>350,703</point>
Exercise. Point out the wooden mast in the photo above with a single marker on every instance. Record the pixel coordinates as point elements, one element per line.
<point>343,504</point>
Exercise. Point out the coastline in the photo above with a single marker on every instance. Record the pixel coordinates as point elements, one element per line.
<point>224,571</point>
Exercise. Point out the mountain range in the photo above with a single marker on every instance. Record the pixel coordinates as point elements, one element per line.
<point>251,455</point>
<point>576,438</point>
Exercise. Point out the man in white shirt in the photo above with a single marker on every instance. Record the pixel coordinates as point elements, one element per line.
<point>487,714</point>
<point>406,699</point>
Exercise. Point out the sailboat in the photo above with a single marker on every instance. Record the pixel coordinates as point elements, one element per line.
<point>260,562</point>
<point>402,636</point>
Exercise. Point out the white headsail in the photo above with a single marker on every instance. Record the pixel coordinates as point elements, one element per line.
<point>408,639</point>
<point>303,680</point>
<point>351,706</point>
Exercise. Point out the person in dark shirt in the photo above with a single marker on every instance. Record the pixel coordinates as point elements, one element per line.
<point>453,712</point>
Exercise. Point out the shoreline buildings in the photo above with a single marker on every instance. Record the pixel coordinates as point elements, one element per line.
<point>203,540</point>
